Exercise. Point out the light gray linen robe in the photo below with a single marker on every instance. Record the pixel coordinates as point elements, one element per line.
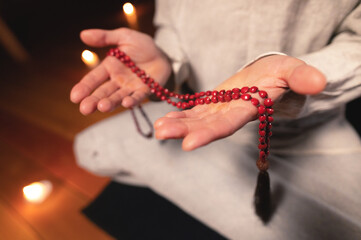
<point>315,154</point>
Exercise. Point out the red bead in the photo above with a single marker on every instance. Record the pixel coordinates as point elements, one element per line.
<point>214,93</point>
<point>166,91</point>
<point>270,111</point>
<point>262,133</point>
<point>184,105</point>
<point>201,101</point>
<point>158,94</point>
<point>171,94</point>
<point>214,99</point>
<point>221,98</point>
<point>228,97</point>
<point>269,126</point>
<point>222,92</point>
<point>207,100</point>
<point>262,126</point>
<point>261,139</point>
<point>136,70</point>
<point>246,97</point>
<point>126,58</point>
<point>236,90</point>
<point>262,94</point>
<point>196,95</point>
<point>179,104</point>
<point>201,94</point>
<point>174,104</point>
<point>228,92</point>
<point>270,119</point>
<point>262,146</point>
<point>163,98</point>
<point>261,109</point>
<point>244,90</point>
<point>268,102</point>
<point>191,103</point>
<point>169,100</point>
<point>262,118</point>
<point>235,96</point>
<point>262,155</point>
<point>152,90</point>
<point>253,89</point>
<point>208,93</point>
<point>255,101</point>
<point>186,97</point>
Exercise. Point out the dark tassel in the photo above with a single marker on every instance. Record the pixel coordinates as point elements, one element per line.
<point>262,197</point>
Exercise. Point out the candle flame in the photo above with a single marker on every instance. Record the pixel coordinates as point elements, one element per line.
<point>128,8</point>
<point>90,58</point>
<point>37,192</point>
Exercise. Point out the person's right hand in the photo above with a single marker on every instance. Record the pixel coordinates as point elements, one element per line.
<point>111,83</point>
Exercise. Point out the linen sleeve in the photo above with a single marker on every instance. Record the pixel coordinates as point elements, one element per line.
<point>340,62</point>
<point>167,39</point>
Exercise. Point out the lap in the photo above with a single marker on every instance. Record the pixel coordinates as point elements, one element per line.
<point>216,183</point>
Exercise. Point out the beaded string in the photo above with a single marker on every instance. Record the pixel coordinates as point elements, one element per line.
<point>186,101</point>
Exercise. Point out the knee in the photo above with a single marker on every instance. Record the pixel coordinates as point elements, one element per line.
<point>91,154</point>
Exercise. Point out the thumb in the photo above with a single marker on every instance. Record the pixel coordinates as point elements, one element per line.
<point>102,38</point>
<point>306,79</point>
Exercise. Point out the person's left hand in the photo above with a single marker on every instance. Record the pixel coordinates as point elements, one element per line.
<point>206,123</point>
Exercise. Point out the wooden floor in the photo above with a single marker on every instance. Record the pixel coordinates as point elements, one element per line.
<point>37,127</point>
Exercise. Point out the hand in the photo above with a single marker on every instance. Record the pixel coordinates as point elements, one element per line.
<point>111,83</point>
<point>206,123</point>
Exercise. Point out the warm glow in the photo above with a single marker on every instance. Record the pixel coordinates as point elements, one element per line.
<point>37,192</point>
<point>90,58</point>
<point>128,8</point>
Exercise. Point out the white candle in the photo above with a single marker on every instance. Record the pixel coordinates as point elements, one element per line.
<point>130,15</point>
<point>37,192</point>
<point>90,58</point>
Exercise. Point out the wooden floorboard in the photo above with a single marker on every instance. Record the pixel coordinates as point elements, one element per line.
<point>59,216</point>
<point>13,226</point>
<point>50,151</point>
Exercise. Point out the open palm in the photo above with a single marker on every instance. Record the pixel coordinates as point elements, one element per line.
<point>111,83</point>
<point>206,123</point>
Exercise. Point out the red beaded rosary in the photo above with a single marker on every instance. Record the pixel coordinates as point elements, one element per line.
<point>186,101</point>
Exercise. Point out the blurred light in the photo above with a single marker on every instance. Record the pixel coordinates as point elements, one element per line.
<point>37,192</point>
<point>90,58</point>
<point>128,8</point>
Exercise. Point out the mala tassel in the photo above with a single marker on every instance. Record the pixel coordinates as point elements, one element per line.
<point>262,197</point>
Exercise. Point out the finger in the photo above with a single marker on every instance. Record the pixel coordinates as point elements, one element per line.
<point>171,128</point>
<point>101,38</point>
<point>161,121</point>
<point>198,138</point>
<point>136,97</point>
<point>89,104</point>
<point>114,100</point>
<point>89,83</point>
<point>306,79</point>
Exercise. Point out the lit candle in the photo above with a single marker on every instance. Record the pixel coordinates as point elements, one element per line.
<point>37,192</point>
<point>130,15</point>
<point>90,58</point>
